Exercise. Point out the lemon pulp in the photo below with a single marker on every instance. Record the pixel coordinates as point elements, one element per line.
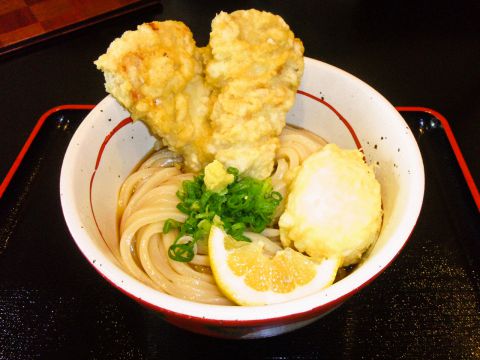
<point>247,276</point>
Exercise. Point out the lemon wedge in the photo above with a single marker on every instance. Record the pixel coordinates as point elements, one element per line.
<point>247,276</point>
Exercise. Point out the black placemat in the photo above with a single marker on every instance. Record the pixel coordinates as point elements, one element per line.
<point>54,305</point>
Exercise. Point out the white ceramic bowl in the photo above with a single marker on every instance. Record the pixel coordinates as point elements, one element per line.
<point>105,148</point>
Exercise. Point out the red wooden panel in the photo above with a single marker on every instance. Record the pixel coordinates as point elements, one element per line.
<point>10,5</point>
<point>16,19</point>
<point>28,21</point>
<point>23,32</point>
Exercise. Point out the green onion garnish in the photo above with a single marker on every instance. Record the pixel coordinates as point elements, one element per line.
<point>245,204</point>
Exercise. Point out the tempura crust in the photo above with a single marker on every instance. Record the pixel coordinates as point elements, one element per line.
<point>156,72</point>
<point>255,70</point>
<point>227,101</point>
<point>334,207</point>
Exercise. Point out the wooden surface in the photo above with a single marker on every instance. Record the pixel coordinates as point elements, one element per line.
<point>24,20</point>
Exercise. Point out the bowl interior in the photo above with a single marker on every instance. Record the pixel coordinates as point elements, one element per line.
<point>105,149</point>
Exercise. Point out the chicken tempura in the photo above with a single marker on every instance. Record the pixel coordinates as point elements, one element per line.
<point>156,73</point>
<point>227,101</point>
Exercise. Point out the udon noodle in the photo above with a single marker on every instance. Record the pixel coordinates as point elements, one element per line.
<point>148,198</point>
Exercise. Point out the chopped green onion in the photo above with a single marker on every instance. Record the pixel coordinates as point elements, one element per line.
<point>170,224</point>
<point>181,252</point>
<point>245,204</point>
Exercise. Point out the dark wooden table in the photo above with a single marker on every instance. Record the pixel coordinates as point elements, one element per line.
<point>24,22</point>
<point>427,305</point>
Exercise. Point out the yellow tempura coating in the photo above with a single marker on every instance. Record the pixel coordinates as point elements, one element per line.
<point>254,71</point>
<point>216,176</point>
<point>334,207</point>
<point>157,73</point>
<point>226,101</point>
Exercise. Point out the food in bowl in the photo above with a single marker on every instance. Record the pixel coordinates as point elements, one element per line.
<point>226,101</point>
<point>234,206</point>
<point>107,146</point>
<point>329,102</point>
<point>334,206</point>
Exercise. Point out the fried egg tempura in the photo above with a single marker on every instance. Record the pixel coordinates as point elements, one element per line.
<point>227,101</point>
<point>334,208</point>
<point>255,70</point>
<point>156,73</point>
